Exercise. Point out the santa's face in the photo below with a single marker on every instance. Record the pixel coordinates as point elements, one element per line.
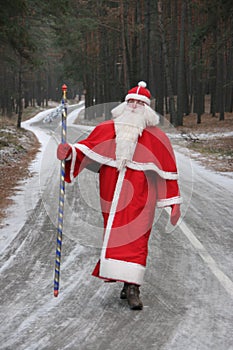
<point>135,105</point>
<point>135,113</point>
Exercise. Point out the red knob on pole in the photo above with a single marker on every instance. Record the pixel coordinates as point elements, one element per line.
<point>64,90</point>
<point>64,87</point>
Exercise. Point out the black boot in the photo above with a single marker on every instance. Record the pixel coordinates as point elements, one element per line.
<point>133,297</point>
<point>123,294</point>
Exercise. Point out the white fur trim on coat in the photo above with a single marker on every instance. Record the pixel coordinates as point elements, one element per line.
<point>111,162</point>
<point>151,166</point>
<point>112,268</point>
<point>122,271</point>
<point>72,157</point>
<point>169,201</point>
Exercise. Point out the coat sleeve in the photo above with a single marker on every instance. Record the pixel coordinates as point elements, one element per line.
<point>75,165</point>
<point>98,140</point>
<point>168,192</point>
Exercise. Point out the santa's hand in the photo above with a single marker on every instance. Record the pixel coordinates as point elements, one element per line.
<point>175,214</point>
<point>64,150</point>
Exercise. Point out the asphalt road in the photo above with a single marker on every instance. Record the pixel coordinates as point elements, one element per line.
<point>188,288</point>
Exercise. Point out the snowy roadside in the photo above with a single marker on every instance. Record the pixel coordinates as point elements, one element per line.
<point>213,151</point>
<point>29,191</point>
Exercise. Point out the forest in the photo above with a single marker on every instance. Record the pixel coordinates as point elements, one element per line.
<point>183,49</point>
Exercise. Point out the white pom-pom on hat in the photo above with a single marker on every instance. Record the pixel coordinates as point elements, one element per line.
<point>142,84</point>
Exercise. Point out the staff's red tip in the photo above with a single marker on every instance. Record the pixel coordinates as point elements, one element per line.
<point>55,293</point>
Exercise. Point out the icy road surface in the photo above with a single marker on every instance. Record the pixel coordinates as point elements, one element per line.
<point>188,289</point>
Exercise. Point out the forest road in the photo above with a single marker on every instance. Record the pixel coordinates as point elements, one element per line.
<point>188,289</point>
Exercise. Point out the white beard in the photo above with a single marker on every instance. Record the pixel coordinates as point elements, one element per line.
<point>129,124</point>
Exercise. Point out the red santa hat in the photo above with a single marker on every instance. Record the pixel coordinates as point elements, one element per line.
<point>139,93</point>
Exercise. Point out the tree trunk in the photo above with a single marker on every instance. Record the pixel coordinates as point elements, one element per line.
<point>172,109</point>
<point>20,96</point>
<point>124,54</point>
<point>199,95</point>
<point>148,42</point>
<point>220,77</point>
<point>229,78</point>
<point>181,78</point>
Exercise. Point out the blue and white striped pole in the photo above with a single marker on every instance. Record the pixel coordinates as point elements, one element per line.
<point>61,198</point>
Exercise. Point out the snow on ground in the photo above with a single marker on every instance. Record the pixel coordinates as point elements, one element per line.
<point>29,190</point>
<point>187,293</point>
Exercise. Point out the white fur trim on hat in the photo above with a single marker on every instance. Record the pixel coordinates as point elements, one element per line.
<point>138,97</point>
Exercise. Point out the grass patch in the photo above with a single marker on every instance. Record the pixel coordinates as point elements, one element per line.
<point>219,147</point>
<point>9,137</point>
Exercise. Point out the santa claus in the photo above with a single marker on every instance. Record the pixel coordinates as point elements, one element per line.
<point>137,172</point>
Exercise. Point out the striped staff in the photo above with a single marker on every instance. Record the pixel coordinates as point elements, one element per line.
<point>61,197</point>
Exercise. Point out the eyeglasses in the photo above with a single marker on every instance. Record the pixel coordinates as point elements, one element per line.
<point>136,102</point>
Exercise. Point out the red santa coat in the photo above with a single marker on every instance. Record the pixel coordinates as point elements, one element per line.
<point>128,197</point>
